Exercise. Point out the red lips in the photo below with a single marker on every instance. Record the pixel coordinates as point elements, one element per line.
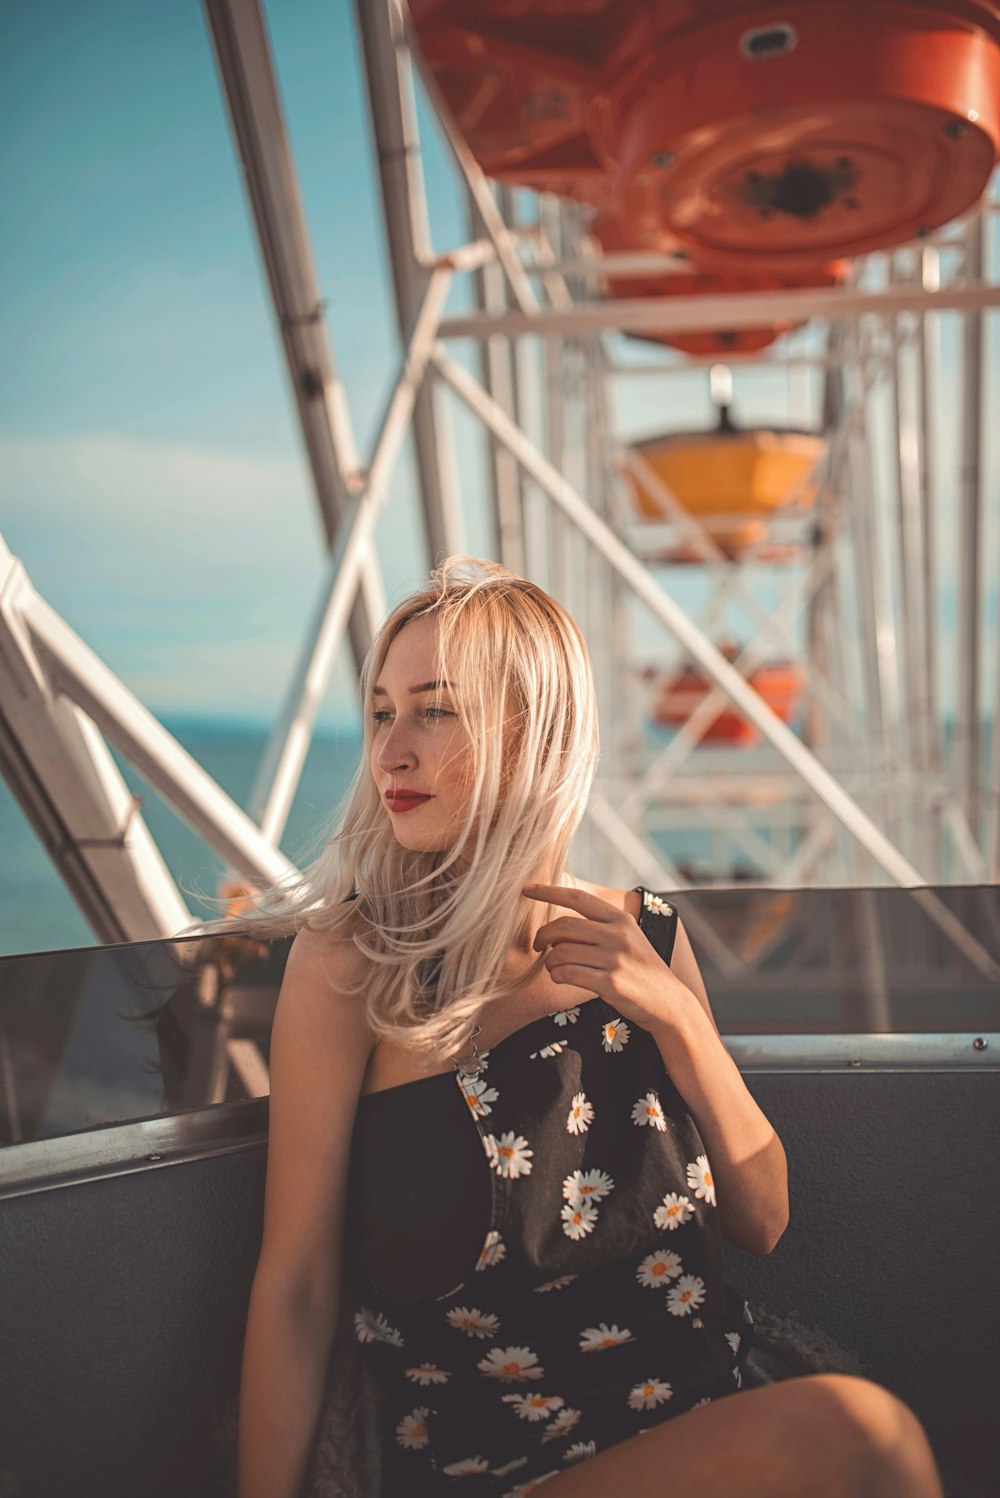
<point>404,798</point>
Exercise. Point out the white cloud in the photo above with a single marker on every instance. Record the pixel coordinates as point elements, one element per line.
<point>191,571</point>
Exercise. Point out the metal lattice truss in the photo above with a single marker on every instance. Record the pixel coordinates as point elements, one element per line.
<point>861,797</point>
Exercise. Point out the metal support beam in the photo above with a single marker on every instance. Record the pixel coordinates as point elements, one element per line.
<point>664,608</point>
<point>281,767</point>
<point>967,742</point>
<point>247,74</point>
<point>57,694</point>
<point>397,145</point>
<point>743,309</point>
<point>497,373</point>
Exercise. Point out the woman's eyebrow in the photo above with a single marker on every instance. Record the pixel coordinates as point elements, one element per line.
<point>425,686</point>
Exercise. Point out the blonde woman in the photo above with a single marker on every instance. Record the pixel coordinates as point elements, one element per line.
<point>500,1090</point>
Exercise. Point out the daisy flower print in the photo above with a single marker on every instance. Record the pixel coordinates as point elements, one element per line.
<point>586,1185</point>
<point>567,1016</point>
<point>479,1095</point>
<point>654,902</point>
<point>467,1466</point>
<point>512,1364</point>
<point>371,1326</point>
<point>534,1406</point>
<point>509,1155</point>
<point>557,1284</point>
<point>673,1211</point>
<point>474,1322</point>
<point>686,1295</point>
<point>580,1115</point>
<point>598,1338</point>
<point>562,1424</point>
<point>579,1450</point>
<point>648,1395</point>
<point>577,1222</point>
<point>411,1431</point>
<point>615,1035</point>
<point>648,1110</point>
<point>492,1250</point>
<point>428,1373</point>
<point>699,1179</point>
<point>658,1268</point>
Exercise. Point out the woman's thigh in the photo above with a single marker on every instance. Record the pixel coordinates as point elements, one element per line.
<point>828,1435</point>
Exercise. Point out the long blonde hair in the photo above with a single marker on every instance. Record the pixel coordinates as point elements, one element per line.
<point>437,927</point>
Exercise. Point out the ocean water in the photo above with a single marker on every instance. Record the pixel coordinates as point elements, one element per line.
<point>37,913</point>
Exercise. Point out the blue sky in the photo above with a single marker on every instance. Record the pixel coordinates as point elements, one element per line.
<point>153,480</point>
<point>151,471</point>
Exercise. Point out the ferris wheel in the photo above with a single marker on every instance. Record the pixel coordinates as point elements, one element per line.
<point>784,225</point>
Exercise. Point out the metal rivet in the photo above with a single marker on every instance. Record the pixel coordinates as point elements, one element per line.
<point>854,1063</point>
<point>154,1157</point>
<point>980,1043</point>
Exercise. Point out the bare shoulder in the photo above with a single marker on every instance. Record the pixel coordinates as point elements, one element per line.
<point>320,1046</point>
<point>628,900</point>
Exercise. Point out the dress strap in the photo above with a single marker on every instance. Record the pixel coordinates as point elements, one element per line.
<point>658,921</point>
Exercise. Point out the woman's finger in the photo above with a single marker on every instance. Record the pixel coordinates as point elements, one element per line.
<point>566,928</point>
<point>567,951</point>
<point>582,900</point>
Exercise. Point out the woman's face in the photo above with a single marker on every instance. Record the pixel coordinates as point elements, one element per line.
<point>418,742</point>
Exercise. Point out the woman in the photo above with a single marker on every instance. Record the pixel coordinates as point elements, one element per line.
<point>498,1091</point>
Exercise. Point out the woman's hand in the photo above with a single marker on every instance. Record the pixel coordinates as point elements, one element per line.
<point>609,955</point>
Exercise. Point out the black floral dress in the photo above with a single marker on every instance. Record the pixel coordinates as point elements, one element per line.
<point>596,1306</point>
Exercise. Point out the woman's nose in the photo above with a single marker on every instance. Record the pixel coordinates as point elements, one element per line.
<point>393,752</point>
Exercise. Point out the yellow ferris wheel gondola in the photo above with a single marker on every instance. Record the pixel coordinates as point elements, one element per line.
<point>724,475</point>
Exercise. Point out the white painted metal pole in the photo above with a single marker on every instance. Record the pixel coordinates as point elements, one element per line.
<point>967,742</point>
<point>928,373</point>
<point>243,56</point>
<point>156,754</point>
<point>496,369</point>
<point>396,139</point>
<point>663,607</point>
<point>743,309</point>
<point>282,766</point>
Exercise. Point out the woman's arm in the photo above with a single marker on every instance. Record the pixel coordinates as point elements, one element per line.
<point>748,1159</point>
<point>320,1047</point>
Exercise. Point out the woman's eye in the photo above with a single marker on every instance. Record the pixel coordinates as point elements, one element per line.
<point>380,714</point>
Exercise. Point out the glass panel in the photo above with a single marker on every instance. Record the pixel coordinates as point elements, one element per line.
<point>105,1035</point>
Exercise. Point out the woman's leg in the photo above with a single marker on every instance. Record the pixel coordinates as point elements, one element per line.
<point>825,1435</point>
